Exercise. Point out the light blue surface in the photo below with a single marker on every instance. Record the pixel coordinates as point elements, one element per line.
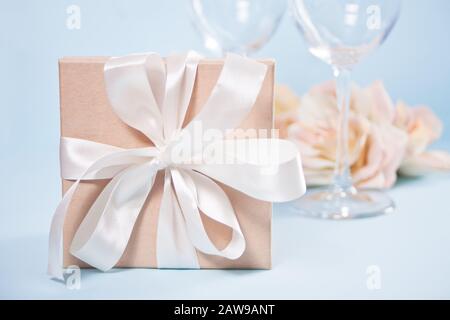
<point>312,259</point>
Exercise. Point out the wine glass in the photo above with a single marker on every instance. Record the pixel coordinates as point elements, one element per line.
<point>240,26</point>
<point>341,33</point>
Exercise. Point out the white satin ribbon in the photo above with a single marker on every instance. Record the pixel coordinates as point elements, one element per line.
<point>152,96</point>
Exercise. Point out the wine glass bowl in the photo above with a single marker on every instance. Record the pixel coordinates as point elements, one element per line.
<point>341,33</point>
<point>241,26</point>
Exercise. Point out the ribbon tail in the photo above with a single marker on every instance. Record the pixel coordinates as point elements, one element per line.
<point>174,248</point>
<point>55,268</point>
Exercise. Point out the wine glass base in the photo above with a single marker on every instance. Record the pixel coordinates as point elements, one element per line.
<point>328,203</point>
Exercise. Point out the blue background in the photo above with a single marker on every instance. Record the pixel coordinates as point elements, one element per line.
<point>414,63</point>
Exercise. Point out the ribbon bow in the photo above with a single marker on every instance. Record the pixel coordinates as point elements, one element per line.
<point>152,96</point>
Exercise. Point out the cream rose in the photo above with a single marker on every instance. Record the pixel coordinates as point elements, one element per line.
<point>383,138</point>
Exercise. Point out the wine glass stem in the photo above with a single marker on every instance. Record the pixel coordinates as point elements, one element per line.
<point>342,175</point>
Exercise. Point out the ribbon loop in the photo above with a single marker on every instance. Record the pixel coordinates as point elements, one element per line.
<point>266,169</point>
<point>131,95</point>
<point>181,72</point>
<point>232,98</point>
<point>214,203</point>
<point>103,234</point>
<point>185,188</point>
<point>95,165</point>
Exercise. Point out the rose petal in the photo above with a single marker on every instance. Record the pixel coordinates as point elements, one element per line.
<point>315,178</point>
<point>384,107</point>
<point>421,124</point>
<point>285,99</point>
<point>327,88</point>
<point>427,162</point>
<point>384,153</point>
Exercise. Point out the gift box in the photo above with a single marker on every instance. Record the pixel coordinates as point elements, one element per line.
<point>90,121</point>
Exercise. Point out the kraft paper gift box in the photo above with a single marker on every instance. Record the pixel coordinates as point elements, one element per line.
<point>87,114</point>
